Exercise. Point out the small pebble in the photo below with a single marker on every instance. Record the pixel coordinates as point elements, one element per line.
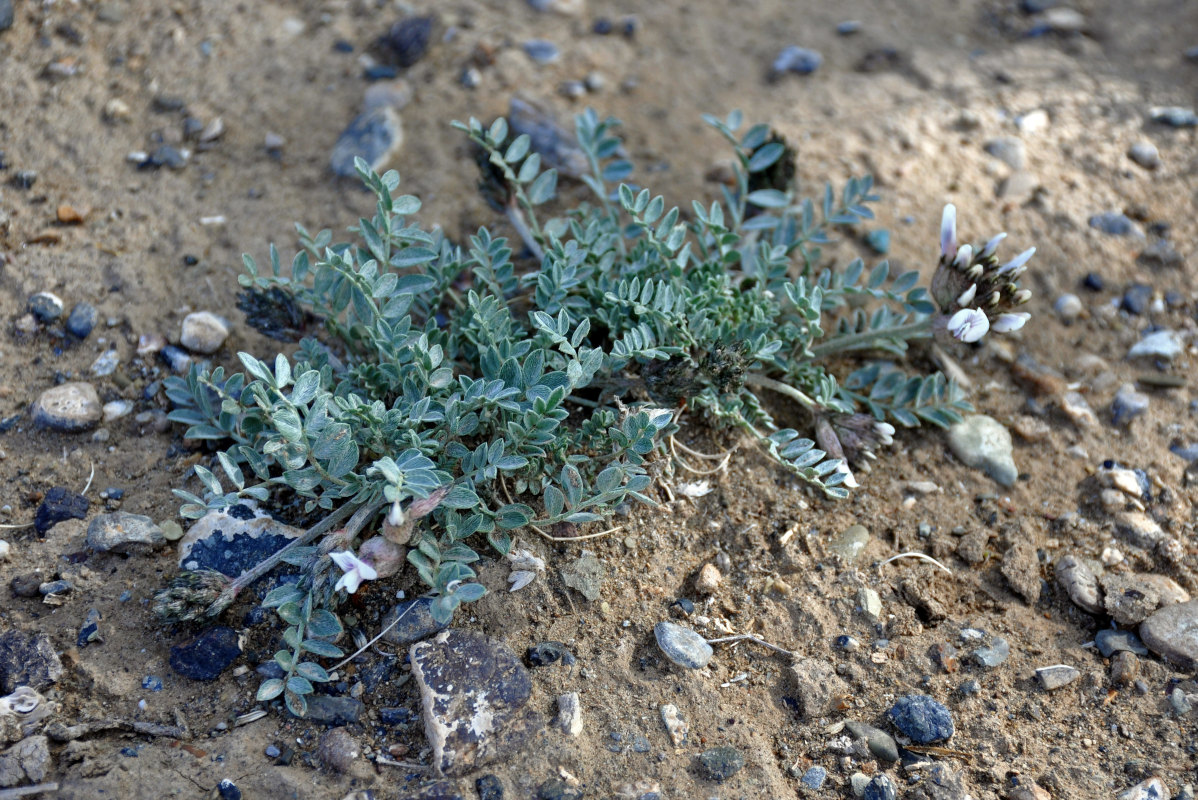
<point>870,603</point>
<point>1115,224</point>
<point>228,790</point>
<point>720,763</point>
<point>1110,642</point>
<point>880,787</point>
<point>1127,405</point>
<point>45,306</point>
<point>1145,154</point>
<point>849,543</point>
<point>1008,149</point>
<point>1178,700</point>
<point>708,579</point>
<point>122,532</point>
<point>60,586</point>
<point>982,442</point>
<point>272,752</point>
<point>82,320</point>
<point>848,27</point>
<point>1164,344</point>
<point>1125,668</point>
<point>176,358</point>
<point>546,653</point>
<point>1093,282</point>
<point>682,645</point>
<point>375,135</point>
<point>152,682</point>
<point>165,156</point>
<point>995,655</point>
<point>204,332</point>
<point>880,743</point>
<point>1068,307</point>
<point>106,363</point>
<point>922,719</point>
<point>5,550</point>
<point>814,777</point>
<point>797,59</point>
<point>1056,676</point>
<point>337,750</point>
<point>408,40</point>
<point>1175,116</point>
<point>1136,298</point>
<point>541,51</point>
<point>58,505</point>
<point>1151,789</point>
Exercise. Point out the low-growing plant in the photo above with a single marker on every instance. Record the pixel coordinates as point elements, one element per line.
<point>466,390</point>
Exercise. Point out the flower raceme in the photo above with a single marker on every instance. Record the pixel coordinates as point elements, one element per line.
<point>977,294</point>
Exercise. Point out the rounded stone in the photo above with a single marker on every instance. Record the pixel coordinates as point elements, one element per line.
<point>205,657</point>
<point>720,763</point>
<point>374,136</point>
<point>1145,154</point>
<point>797,59</point>
<point>849,543</point>
<point>46,306</point>
<point>203,332</point>
<point>922,719</point>
<point>71,407</point>
<point>1172,633</point>
<point>682,645</point>
<point>1068,307</point>
<point>337,750</point>
<point>982,442</point>
<point>82,320</point>
<point>881,787</point>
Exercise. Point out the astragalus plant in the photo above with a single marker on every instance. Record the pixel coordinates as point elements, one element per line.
<point>469,390</point>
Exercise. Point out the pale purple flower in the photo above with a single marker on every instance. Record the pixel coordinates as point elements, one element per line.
<point>968,324</point>
<point>991,246</point>
<point>356,571</point>
<point>1010,322</point>
<point>948,231</point>
<point>1017,262</point>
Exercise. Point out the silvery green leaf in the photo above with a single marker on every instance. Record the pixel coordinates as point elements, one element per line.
<point>320,648</point>
<point>312,672</point>
<point>768,198</point>
<point>299,685</point>
<point>543,188</point>
<point>517,149</point>
<point>323,623</point>
<point>765,156</point>
<point>269,689</point>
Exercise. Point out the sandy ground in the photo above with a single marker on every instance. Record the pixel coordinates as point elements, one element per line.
<point>83,84</point>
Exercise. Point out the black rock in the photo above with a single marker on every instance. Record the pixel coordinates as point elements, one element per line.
<point>380,72</point>
<point>165,103</point>
<point>408,40</point>
<point>27,659</point>
<point>228,790</point>
<point>603,26</point>
<point>546,653</point>
<point>377,674</point>
<point>397,717</point>
<point>205,657</point>
<point>26,585</point>
<point>880,788</point>
<point>921,718</point>
<point>416,621</point>
<point>330,710</point>
<point>558,789</point>
<point>1036,6</point>
<point>720,763</point>
<point>1136,298</point>
<point>58,505</point>
<point>55,587</point>
<point>489,788</point>
<point>24,178</point>
<point>178,359</point>
<point>6,14</point>
<point>1093,281</point>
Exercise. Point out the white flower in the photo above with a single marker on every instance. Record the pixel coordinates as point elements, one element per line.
<point>525,567</point>
<point>395,515</point>
<point>991,246</point>
<point>885,432</point>
<point>1017,262</point>
<point>964,256</point>
<point>968,324</point>
<point>849,480</point>
<point>356,571</point>
<point>948,231</point>
<point>1010,322</point>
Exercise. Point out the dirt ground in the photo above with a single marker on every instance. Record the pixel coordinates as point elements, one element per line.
<point>911,98</point>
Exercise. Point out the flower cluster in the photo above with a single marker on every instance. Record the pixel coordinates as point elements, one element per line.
<point>975,292</point>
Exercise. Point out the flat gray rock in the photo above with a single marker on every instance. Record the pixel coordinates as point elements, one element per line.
<point>1021,568</point>
<point>122,532</point>
<point>818,686</point>
<point>1172,633</point>
<point>682,645</point>
<point>474,696</point>
<point>71,407</point>
<point>983,443</point>
<point>1056,676</point>
<point>1131,597</point>
<point>26,761</point>
<point>27,659</point>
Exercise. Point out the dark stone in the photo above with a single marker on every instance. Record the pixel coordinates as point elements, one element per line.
<point>541,51</point>
<point>6,15</point>
<point>330,710</point>
<point>178,359</point>
<point>558,789</point>
<point>489,787</point>
<point>546,653</point>
<point>380,72</point>
<point>374,136</point>
<point>397,717</point>
<point>1110,642</point>
<point>166,104</point>
<point>205,657</point>
<point>880,743</point>
<point>27,659</point>
<point>45,306</point>
<point>55,587</point>
<point>59,504</point>
<point>408,40</point>
<point>603,26</point>
<point>848,27</point>
<point>1093,281</point>
<point>234,546</point>
<point>1161,255</point>
<point>342,46</point>
<point>797,59</point>
<point>435,790</point>
<point>685,607</point>
<point>228,790</point>
<point>90,630</point>
<point>416,623</point>
<point>26,585</point>
<point>1136,298</point>
<point>921,718</point>
<point>720,763</point>
<point>880,788</point>
<point>377,674</point>
<point>24,178</point>
<point>475,695</point>
<point>164,156</point>
<point>270,669</point>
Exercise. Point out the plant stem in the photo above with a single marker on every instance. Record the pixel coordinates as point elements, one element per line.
<point>753,379</point>
<point>516,217</point>
<point>866,339</point>
<point>327,524</point>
